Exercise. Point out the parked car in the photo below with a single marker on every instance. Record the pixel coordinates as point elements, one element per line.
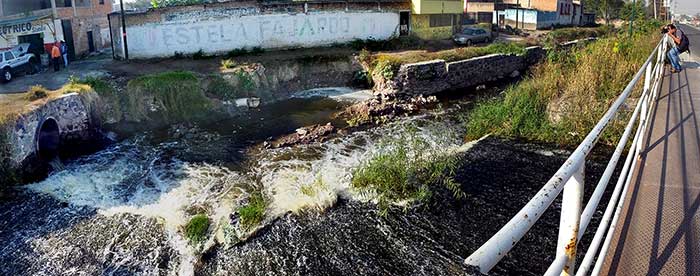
<point>469,36</point>
<point>17,60</point>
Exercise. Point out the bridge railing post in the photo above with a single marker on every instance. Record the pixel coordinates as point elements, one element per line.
<point>571,204</point>
<point>645,100</point>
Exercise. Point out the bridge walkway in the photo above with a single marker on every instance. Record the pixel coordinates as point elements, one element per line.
<point>659,228</point>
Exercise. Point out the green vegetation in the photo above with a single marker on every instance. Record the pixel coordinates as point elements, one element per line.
<point>228,63</point>
<point>565,96</point>
<point>221,89</point>
<point>252,213</point>
<point>570,34</point>
<point>37,92</point>
<point>177,92</point>
<point>196,228</point>
<point>100,86</point>
<point>199,55</point>
<point>405,169</point>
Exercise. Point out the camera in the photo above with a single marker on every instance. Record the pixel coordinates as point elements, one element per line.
<point>664,30</point>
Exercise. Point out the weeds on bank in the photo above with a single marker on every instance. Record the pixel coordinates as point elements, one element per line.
<point>178,92</point>
<point>196,229</point>
<point>569,34</point>
<point>253,212</point>
<point>576,87</point>
<point>405,169</point>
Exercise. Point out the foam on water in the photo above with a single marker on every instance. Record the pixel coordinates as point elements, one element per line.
<point>134,177</point>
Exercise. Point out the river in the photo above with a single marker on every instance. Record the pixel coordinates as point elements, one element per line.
<point>121,210</point>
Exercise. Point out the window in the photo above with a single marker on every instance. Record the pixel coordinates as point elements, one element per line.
<point>9,56</point>
<point>102,2</point>
<point>441,20</point>
<point>468,31</point>
<point>480,31</point>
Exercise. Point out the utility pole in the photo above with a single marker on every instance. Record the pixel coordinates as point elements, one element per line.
<point>54,16</point>
<point>655,12</point>
<point>517,12</point>
<point>126,46</point>
<point>634,10</point>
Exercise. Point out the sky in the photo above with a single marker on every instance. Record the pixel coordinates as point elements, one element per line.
<point>689,7</point>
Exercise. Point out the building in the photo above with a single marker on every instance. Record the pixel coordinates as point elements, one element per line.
<point>541,14</point>
<point>82,24</point>
<point>432,19</point>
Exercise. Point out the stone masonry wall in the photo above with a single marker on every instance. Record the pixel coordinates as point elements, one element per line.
<point>69,111</point>
<point>435,76</point>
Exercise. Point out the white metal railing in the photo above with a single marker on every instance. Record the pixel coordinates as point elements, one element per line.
<point>569,177</point>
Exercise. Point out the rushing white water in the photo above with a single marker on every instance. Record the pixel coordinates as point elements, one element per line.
<point>136,177</point>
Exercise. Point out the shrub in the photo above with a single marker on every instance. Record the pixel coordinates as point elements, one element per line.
<point>405,169</point>
<point>257,50</point>
<point>228,63</point>
<point>100,86</point>
<point>37,92</point>
<point>577,87</point>
<point>236,52</point>
<point>199,55</point>
<point>252,213</point>
<point>219,88</point>
<point>178,92</point>
<point>196,229</point>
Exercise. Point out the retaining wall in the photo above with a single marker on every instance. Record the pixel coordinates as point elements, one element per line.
<point>69,111</point>
<point>435,76</point>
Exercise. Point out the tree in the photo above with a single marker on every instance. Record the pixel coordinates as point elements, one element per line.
<point>607,9</point>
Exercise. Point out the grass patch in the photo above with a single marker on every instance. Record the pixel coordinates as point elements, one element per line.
<point>252,213</point>
<point>196,229</point>
<point>177,92</point>
<point>37,92</point>
<point>100,86</point>
<point>405,169</point>
<point>573,33</point>
<point>221,89</point>
<point>576,87</point>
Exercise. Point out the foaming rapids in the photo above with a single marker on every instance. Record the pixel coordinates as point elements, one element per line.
<point>136,177</point>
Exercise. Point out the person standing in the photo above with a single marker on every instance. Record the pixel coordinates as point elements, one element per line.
<point>56,57</point>
<point>680,45</point>
<point>64,53</point>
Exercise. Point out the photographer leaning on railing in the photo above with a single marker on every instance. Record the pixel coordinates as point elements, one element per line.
<point>680,45</point>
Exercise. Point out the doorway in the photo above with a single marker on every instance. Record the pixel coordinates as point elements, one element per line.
<point>91,42</point>
<point>36,43</point>
<point>68,38</point>
<point>404,22</point>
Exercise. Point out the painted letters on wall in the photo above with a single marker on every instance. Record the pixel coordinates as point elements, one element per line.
<point>266,31</point>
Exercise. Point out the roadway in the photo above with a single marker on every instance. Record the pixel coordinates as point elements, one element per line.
<point>659,228</point>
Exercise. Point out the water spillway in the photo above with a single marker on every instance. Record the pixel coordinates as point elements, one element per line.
<point>122,210</point>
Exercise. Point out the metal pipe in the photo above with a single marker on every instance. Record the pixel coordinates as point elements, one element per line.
<point>570,217</point>
<point>488,255</point>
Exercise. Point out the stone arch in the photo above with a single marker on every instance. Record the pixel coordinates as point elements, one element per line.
<point>48,139</point>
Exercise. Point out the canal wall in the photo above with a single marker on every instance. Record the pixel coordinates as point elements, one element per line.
<point>36,137</point>
<point>430,77</point>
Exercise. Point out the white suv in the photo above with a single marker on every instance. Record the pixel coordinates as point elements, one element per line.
<point>16,60</point>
